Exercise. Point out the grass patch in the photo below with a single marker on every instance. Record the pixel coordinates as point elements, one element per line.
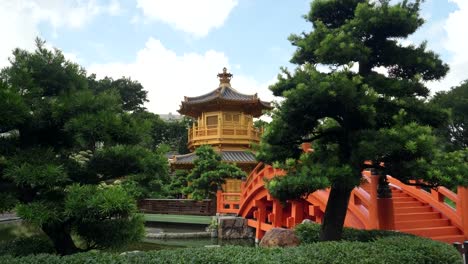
<point>184,219</point>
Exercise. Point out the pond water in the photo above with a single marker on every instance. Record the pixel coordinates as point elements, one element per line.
<point>16,229</point>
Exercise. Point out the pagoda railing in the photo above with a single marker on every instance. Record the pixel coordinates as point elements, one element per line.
<point>223,134</point>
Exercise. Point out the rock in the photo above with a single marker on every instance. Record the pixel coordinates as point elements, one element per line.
<point>280,237</point>
<point>307,221</point>
<point>230,227</point>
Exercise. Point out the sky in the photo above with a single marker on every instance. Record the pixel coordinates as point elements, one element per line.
<point>175,48</point>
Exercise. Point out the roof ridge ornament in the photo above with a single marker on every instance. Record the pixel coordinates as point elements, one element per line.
<point>225,77</point>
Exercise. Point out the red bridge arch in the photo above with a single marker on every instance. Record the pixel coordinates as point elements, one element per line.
<point>416,211</point>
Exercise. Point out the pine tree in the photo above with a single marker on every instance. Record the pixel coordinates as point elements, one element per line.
<point>208,173</point>
<point>359,95</point>
<point>64,149</point>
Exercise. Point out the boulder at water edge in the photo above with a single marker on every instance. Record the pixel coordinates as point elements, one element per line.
<point>280,237</point>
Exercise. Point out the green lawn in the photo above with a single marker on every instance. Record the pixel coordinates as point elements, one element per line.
<point>186,219</point>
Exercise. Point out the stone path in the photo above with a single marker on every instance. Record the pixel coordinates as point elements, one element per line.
<point>158,233</point>
<point>6,217</point>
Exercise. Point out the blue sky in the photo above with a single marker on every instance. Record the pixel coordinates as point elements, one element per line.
<point>176,47</point>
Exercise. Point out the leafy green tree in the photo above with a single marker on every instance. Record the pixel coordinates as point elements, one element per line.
<point>208,173</point>
<point>352,116</point>
<point>131,93</point>
<point>177,185</point>
<point>64,148</point>
<point>455,131</point>
<point>174,134</point>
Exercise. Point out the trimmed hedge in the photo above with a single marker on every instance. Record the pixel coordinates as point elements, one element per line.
<point>310,233</point>
<point>401,250</point>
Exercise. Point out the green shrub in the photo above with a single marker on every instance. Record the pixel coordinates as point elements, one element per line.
<point>388,250</point>
<point>310,233</point>
<point>26,246</point>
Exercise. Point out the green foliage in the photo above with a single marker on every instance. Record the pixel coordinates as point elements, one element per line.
<point>174,134</point>
<point>63,136</point>
<point>390,250</point>
<point>177,185</point>
<point>131,93</point>
<point>171,132</point>
<point>351,116</point>
<point>209,173</point>
<point>7,201</point>
<point>303,179</point>
<point>39,212</point>
<point>454,131</point>
<point>36,174</point>
<point>26,246</point>
<point>13,108</point>
<point>122,160</point>
<point>412,151</point>
<point>91,202</point>
<point>100,234</point>
<point>310,233</point>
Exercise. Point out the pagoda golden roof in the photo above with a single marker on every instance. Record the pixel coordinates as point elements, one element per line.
<point>224,98</point>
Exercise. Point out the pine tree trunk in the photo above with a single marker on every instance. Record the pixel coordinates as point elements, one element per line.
<point>335,213</point>
<point>61,238</point>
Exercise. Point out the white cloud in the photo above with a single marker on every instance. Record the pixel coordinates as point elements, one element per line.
<point>457,39</point>
<point>114,8</point>
<point>73,14</point>
<point>168,76</point>
<point>195,17</point>
<point>20,19</point>
<point>455,42</point>
<point>17,30</point>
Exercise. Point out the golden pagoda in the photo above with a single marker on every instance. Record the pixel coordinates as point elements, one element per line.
<point>223,118</point>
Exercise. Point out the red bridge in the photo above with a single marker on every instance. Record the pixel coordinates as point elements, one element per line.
<point>439,214</point>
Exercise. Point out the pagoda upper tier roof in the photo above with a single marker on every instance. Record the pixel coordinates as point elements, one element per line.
<point>224,98</point>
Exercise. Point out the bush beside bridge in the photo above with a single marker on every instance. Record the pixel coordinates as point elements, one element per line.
<point>310,233</point>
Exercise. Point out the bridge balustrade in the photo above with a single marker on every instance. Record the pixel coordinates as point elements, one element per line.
<point>365,210</point>
<point>437,198</point>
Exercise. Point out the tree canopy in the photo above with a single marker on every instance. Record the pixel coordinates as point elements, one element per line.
<point>67,145</point>
<point>131,93</point>
<point>359,95</point>
<point>455,130</point>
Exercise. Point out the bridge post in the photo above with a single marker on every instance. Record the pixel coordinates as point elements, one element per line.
<point>277,213</point>
<point>261,217</point>
<point>297,211</point>
<point>243,183</point>
<point>386,215</point>
<point>219,202</point>
<point>275,217</point>
<point>462,193</point>
<point>373,211</point>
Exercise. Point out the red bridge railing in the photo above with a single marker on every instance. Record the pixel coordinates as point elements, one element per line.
<point>365,209</point>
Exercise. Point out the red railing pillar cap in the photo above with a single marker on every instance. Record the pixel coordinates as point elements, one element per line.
<point>306,147</point>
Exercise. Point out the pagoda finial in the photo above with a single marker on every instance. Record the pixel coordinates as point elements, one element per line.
<point>225,77</point>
